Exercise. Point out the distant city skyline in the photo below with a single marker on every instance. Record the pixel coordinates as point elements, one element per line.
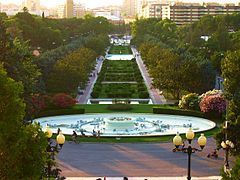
<point>54,3</point>
<point>99,3</point>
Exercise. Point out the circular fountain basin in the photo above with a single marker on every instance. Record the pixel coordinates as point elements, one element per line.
<point>117,125</point>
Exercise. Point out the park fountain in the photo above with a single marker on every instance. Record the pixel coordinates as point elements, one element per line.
<point>116,125</point>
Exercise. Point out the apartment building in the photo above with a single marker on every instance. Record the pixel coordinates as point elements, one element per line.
<point>155,8</point>
<point>32,5</point>
<point>69,9</point>
<point>156,11</point>
<point>185,13</point>
<point>129,8</point>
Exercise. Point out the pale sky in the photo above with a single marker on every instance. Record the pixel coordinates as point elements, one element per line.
<point>88,3</point>
<point>97,3</point>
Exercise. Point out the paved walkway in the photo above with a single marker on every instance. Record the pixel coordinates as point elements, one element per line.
<point>154,93</point>
<point>135,160</point>
<point>145,178</point>
<point>82,99</point>
<point>119,82</point>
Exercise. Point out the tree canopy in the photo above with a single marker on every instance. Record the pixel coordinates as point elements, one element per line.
<point>22,147</point>
<point>200,47</point>
<point>70,71</point>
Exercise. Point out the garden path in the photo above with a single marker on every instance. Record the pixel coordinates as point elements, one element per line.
<point>154,93</point>
<point>82,99</point>
<point>119,82</point>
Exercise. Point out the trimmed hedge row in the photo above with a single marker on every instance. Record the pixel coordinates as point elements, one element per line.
<point>118,49</point>
<point>110,72</point>
<point>58,112</point>
<point>158,110</point>
<point>119,107</point>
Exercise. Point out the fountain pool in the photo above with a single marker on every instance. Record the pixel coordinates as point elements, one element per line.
<point>116,125</point>
<point>119,56</point>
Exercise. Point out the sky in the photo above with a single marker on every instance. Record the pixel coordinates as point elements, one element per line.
<point>88,3</point>
<point>97,3</point>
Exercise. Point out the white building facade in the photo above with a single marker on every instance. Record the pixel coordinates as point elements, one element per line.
<point>185,13</point>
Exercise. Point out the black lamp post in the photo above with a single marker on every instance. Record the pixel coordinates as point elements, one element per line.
<point>53,148</point>
<point>177,141</point>
<point>226,145</point>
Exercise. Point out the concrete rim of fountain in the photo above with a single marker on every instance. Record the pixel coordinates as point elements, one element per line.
<point>126,124</point>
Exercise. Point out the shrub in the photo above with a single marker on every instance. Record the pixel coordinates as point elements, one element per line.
<point>139,79</point>
<point>95,94</point>
<point>40,103</point>
<point>234,173</point>
<point>212,92</point>
<point>60,112</point>
<point>37,103</point>
<point>141,84</point>
<point>213,104</point>
<point>157,110</point>
<point>143,94</point>
<point>119,95</point>
<point>119,107</point>
<point>62,100</point>
<point>189,101</point>
<point>141,88</point>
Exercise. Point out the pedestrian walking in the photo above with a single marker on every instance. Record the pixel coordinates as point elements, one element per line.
<point>74,137</point>
<point>94,133</point>
<point>58,131</point>
<point>98,134</point>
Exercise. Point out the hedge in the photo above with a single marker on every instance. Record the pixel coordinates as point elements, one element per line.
<point>60,112</point>
<point>157,110</point>
<point>119,107</point>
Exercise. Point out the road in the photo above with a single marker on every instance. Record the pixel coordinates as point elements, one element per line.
<point>153,92</point>
<point>135,159</point>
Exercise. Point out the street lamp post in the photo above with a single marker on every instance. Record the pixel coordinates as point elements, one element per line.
<point>226,145</point>
<point>53,148</point>
<point>177,141</point>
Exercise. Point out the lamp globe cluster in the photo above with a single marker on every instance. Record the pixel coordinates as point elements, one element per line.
<point>177,140</point>
<point>227,144</point>
<point>202,140</point>
<point>60,139</point>
<point>48,132</point>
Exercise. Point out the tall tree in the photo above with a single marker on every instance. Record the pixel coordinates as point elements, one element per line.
<point>167,74</point>
<point>22,147</point>
<point>70,71</point>
<point>3,39</point>
<point>231,74</point>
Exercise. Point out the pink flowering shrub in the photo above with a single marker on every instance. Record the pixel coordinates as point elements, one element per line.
<point>63,100</point>
<point>213,103</point>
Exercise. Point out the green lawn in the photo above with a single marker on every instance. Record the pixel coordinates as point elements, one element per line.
<point>102,108</point>
<point>120,50</point>
<point>120,79</point>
